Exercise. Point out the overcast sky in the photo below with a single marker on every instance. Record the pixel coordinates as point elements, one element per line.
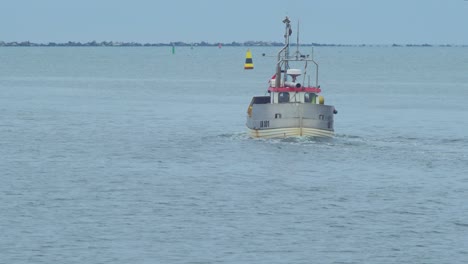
<point>154,21</point>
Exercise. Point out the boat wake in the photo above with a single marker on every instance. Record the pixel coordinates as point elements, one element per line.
<point>376,144</point>
<point>290,140</point>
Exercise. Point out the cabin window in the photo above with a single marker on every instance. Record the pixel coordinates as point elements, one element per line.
<point>283,98</point>
<point>310,98</point>
<point>261,100</point>
<point>277,115</point>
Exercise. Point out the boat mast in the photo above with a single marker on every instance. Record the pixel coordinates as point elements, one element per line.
<point>297,43</point>
<point>287,33</point>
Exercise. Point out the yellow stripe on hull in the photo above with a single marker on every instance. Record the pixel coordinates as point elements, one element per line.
<point>289,132</point>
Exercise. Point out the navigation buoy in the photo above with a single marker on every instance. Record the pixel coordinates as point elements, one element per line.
<point>248,61</point>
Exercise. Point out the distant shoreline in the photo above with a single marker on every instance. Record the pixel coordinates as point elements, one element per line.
<point>204,44</point>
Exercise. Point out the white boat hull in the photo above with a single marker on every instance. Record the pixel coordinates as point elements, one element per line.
<point>266,120</point>
<point>289,132</point>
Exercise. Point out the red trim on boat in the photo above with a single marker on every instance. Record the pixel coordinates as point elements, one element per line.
<point>294,89</point>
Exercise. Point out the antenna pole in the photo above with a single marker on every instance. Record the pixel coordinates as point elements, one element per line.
<point>285,49</point>
<point>297,44</point>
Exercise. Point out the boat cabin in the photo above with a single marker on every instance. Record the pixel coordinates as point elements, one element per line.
<point>292,91</point>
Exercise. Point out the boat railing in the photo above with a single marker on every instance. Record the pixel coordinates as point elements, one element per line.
<point>284,58</point>
<point>293,59</point>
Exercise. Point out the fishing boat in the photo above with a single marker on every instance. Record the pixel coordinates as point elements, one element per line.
<point>291,108</point>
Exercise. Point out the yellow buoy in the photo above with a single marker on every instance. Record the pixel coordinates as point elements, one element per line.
<point>248,61</point>
<point>321,99</point>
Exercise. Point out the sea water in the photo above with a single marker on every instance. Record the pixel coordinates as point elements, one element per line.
<point>138,155</point>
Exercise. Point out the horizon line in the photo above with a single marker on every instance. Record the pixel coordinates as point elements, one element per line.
<point>204,43</point>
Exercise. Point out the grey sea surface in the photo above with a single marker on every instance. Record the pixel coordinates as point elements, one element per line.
<point>138,155</point>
